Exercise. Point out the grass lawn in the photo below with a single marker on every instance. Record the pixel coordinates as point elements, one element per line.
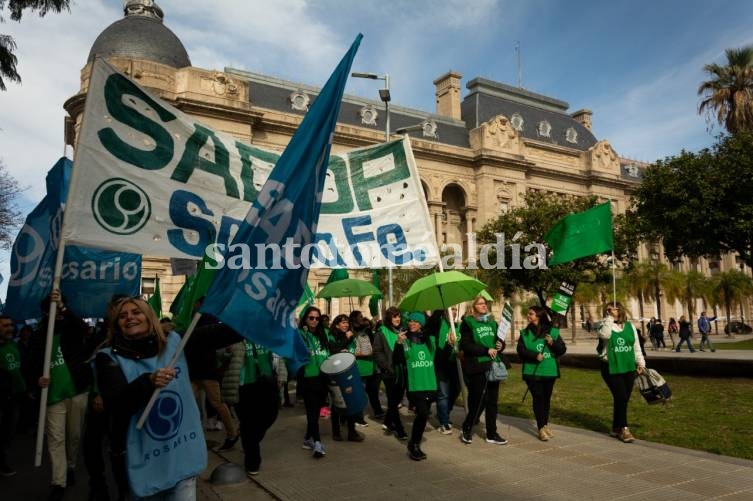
<point>738,345</point>
<point>709,414</point>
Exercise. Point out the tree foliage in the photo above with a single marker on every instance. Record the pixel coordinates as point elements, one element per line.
<point>700,204</point>
<point>534,219</point>
<point>728,95</point>
<point>8,59</point>
<point>10,217</point>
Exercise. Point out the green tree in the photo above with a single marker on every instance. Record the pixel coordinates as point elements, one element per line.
<point>728,95</point>
<point>8,59</point>
<point>527,225</point>
<point>636,281</point>
<point>699,204</point>
<point>686,288</point>
<point>10,217</point>
<point>729,289</point>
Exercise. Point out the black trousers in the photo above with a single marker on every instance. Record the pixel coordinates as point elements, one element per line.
<point>314,394</point>
<point>395,391</point>
<point>371,385</point>
<point>422,415</point>
<point>621,386</point>
<point>257,408</point>
<point>541,391</point>
<point>482,394</point>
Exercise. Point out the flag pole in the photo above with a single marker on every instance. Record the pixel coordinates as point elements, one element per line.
<point>52,315</point>
<point>173,361</point>
<point>614,283</point>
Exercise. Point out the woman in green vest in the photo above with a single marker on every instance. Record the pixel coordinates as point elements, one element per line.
<point>415,349</point>
<point>361,346</point>
<point>539,347</point>
<point>393,375</point>
<point>311,385</point>
<point>480,345</point>
<point>620,352</point>
<point>342,339</point>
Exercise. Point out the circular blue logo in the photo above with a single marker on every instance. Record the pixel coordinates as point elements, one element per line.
<point>121,207</point>
<point>166,416</point>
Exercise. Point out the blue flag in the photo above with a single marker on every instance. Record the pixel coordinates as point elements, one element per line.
<point>89,276</point>
<point>258,300</point>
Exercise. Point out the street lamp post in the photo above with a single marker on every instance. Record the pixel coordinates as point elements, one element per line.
<point>384,95</point>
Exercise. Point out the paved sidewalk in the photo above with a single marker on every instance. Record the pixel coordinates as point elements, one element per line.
<point>575,465</point>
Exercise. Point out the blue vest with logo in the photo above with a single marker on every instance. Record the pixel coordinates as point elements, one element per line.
<point>170,447</point>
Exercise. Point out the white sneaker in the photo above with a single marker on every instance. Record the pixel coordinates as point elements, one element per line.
<point>445,429</point>
<point>319,450</point>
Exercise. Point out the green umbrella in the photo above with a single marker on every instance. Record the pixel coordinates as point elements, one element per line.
<point>486,295</point>
<point>349,287</point>
<point>440,291</point>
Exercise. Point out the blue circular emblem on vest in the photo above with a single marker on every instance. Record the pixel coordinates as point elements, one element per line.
<point>166,416</point>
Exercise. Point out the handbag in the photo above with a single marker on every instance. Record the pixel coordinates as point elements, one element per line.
<point>363,345</point>
<point>497,372</point>
<point>653,387</point>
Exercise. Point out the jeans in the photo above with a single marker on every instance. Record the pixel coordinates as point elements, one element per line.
<point>448,390</point>
<point>314,394</point>
<point>185,490</point>
<point>684,340</point>
<point>705,340</point>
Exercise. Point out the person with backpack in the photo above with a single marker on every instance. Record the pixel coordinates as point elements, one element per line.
<point>704,327</point>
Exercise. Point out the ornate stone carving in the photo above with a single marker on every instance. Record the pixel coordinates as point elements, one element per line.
<point>497,134</point>
<point>368,115</point>
<point>603,157</point>
<point>299,101</point>
<point>224,85</point>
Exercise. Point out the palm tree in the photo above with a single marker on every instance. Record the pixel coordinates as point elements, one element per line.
<point>729,93</point>
<point>686,288</point>
<point>730,288</point>
<point>637,281</point>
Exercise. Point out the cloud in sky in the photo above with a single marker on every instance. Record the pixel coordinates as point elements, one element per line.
<point>637,65</point>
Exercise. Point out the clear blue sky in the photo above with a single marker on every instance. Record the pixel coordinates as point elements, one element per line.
<point>636,64</point>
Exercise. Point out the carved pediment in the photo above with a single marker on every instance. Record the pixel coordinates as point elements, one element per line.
<point>497,134</point>
<point>604,158</point>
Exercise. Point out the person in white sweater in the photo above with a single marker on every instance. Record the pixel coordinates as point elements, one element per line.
<point>620,351</point>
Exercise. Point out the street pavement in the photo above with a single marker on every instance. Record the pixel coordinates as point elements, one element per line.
<point>575,465</point>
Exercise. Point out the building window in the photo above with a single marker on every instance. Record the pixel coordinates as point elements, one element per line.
<point>504,206</point>
<point>368,115</point>
<point>517,122</point>
<point>714,267</point>
<point>299,101</point>
<point>544,129</point>
<point>147,285</point>
<point>571,135</point>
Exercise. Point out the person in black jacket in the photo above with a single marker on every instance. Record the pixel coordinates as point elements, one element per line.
<point>393,375</point>
<point>539,347</point>
<point>341,338</point>
<point>480,345</point>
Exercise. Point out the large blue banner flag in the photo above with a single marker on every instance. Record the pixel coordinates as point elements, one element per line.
<point>89,276</point>
<point>259,298</point>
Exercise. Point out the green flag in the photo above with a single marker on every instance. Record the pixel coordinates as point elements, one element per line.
<point>155,301</point>
<point>337,274</point>
<point>581,234</point>
<point>197,286</point>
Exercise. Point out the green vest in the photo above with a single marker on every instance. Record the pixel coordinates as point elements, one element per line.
<point>548,366</point>
<point>317,354</point>
<point>258,362</point>
<point>61,382</point>
<point>484,333</point>
<point>390,336</point>
<point>620,350</point>
<point>10,361</point>
<point>420,360</point>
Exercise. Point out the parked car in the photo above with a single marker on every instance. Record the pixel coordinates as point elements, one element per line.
<point>737,327</point>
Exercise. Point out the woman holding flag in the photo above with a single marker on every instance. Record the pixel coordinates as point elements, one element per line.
<point>620,352</point>
<point>165,456</point>
<point>539,347</point>
<point>311,384</point>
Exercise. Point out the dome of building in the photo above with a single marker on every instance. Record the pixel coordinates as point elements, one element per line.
<point>141,34</point>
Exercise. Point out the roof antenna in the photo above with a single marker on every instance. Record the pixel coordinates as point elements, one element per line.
<point>520,69</point>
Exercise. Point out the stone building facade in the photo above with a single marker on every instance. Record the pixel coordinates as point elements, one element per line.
<point>477,153</point>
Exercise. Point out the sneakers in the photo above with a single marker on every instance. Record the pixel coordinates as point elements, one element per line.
<point>362,423</point>
<point>355,437</point>
<point>494,438</point>
<point>466,436</point>
<point>228,444</point>
<point>388,428</point>
<point>445,429</point>
<point>252,473</point>
<point>543,436</point>
<point>548,431</point>
<point>319,450</point>
<point>626,436</point>
<point>308,444</point>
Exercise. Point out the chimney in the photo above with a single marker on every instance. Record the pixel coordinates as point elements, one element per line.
<point>583,117</point>
<point>447,88</point>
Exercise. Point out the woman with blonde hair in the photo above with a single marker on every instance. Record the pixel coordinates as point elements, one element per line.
<point>165,456</point>
<point>620,352</point>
